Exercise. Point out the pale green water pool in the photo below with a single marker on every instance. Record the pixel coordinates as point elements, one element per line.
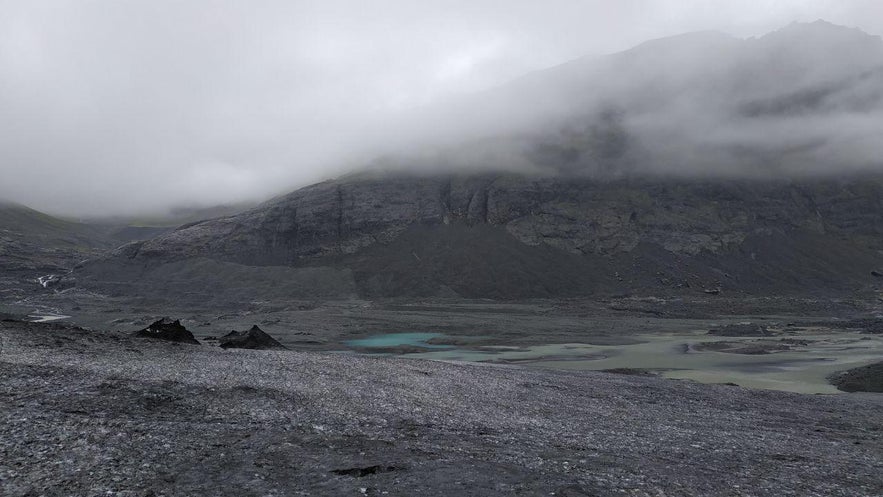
<point>803,369</point>
<point>397,340</point>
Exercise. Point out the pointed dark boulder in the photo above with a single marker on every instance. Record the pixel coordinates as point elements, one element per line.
<point>168,330</point>
<point>255,338</point>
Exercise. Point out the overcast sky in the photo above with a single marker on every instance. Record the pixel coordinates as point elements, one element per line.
<point>121,107</point>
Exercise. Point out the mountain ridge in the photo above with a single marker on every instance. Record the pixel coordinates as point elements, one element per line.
<point>510,236</point>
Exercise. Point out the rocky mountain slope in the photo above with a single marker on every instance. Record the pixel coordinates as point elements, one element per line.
<point>33,241</point>
<point>508,236</point>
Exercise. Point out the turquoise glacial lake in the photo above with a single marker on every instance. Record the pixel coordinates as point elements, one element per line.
<point>398,339</point>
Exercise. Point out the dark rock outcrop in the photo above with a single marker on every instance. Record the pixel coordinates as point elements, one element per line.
<point>863,379</point>
<point>168,330</point>
<point>56,282</point>
<point>255,338</point>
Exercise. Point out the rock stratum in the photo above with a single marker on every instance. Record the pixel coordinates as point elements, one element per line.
<point>517,236</point>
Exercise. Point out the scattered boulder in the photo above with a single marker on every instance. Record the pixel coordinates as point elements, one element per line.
<point>56,282</point>
<point>255,338</point>
<point>741,330</point>
<point>863,379</point>
<point>48,281</point>
<point>168,330</point>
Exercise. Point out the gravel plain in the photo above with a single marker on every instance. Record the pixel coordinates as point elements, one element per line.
<point>101,413</point>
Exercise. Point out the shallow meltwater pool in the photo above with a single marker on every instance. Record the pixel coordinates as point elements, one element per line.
<point>398,340</point>
<point>801,367</point>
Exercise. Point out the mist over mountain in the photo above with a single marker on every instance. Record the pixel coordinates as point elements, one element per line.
<point>692,164</point>
<point>804,100</point>
<point>225,120</point>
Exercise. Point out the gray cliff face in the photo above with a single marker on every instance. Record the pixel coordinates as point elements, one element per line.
<point>416,235</point>
<point>580,216</point>
<point>326,219</point>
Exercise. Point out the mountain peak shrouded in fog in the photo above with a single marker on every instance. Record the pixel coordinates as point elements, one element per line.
<point>819,28</point>
<point>805,100</point>
<point>102,118</point>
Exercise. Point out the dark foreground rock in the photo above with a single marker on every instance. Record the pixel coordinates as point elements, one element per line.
<point>168,330</point>
<point>255,338</point>
<point>864,379</point>
<point>89,413</point>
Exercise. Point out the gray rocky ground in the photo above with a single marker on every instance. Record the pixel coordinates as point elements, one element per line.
<point>862,379</point>
<point>99,413</point>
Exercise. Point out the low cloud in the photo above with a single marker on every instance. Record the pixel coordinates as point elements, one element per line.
<point>124,107</point>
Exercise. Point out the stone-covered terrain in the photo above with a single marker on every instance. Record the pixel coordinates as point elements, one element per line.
<point>99,413</point>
